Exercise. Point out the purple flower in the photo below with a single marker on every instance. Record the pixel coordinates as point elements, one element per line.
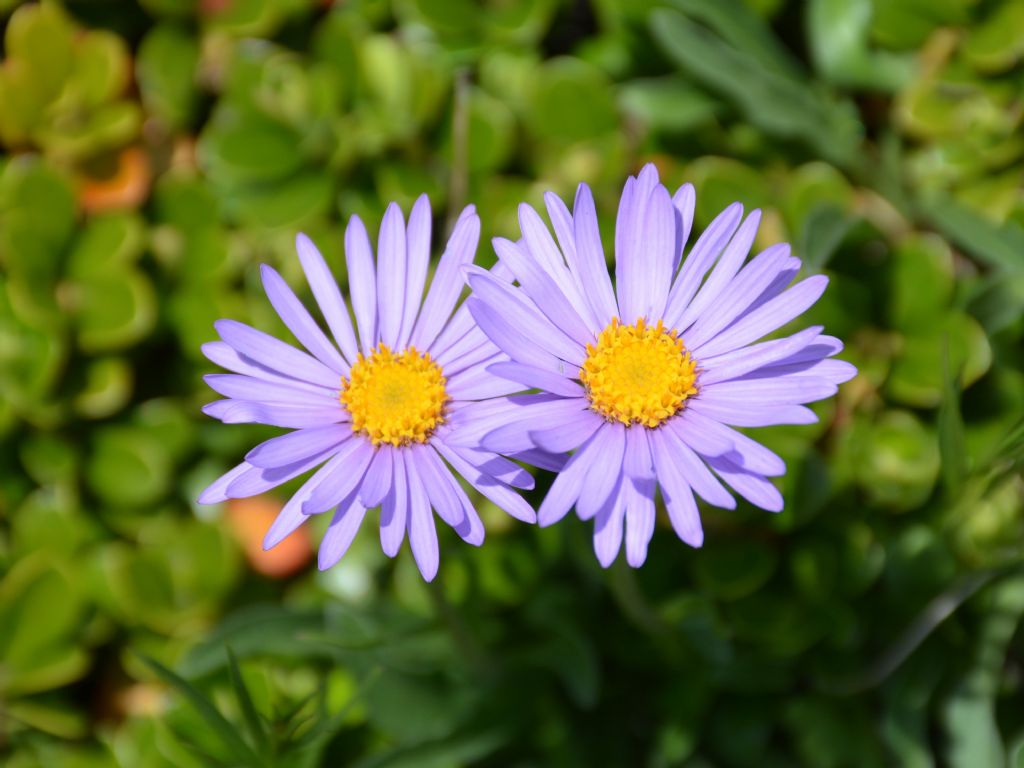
<point>380,411</point>
<point>646,382</point>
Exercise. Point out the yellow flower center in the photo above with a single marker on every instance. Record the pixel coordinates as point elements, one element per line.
<point>638,374</point>
<point>395,398</point>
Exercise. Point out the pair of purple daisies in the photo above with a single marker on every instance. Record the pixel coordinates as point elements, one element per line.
<point>618,388</point>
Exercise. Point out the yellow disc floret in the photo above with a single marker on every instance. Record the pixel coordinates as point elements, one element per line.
<point>395,398</point>
<point>638,374</point>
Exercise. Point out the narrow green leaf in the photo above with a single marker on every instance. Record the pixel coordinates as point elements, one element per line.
<point>253,722</point>
<point>998,247</point>
<point>241,751</point>
<point>952,446</point>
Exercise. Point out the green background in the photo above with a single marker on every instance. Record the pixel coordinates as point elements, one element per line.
<point>152,155</point>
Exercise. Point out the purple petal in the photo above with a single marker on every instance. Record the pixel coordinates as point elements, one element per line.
<point>747,453</point>
<point>707,443</point>
<point>328,297</point>
<point>287,416</point>
<point>298,445</point>
<point>422,533</point>
<point>693,471</point>
<point>719,280</point>
<point>605,467</point>
<point>739,294</point>
<point>510,339</point>
<point>352,460</point>
<point>393,508</point>
<point>447,497</point>
<point>418,240</point>
<point>766,318</point>
<point>742,361</point>
<point>735,415</point>
<point>597,285</point>
<point>275,354</point>
<point>537,378</point>
<point>608,528</point>
<point>543,276</point>
<point>257,480</point>
<point>630,262</point>
<point>562,222</point>
<point>300,322</point>
<point>216,492</point>
<point>546,302</point>
<point>514,434</point>
<point>291,515</point>
<point>637,461</point>
<point>473,348</point>
<point>682,508</point>
<point>703,255</point>
<point>778,390</point>
<point>684,201</point>
<point>507,499</point>
<point>391,265</point>
<point>496,466</point>
<point>639,503</point>
<point>565,489</point>
<point>567,436</point>
<point>377,480</point>
<point>754,488</point>
<point>362,283</point>
<point>552,462</point>
<point>340,533</point>
<point>657,251</point>
<point>448,280</point>
<point>240,387</point>
<point>476,383</point>
<point>222,354</point>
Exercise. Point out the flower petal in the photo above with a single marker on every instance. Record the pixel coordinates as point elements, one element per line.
<point>275,354</point>
<point>328,296</point>
<point>340,533</point>
<point>298,445</point>
<point>418,247</point>
<point>362,283</point>
<point>507,499</point>
<point>422,533</point>
<point>597,285</point>
<point>393,509</point>
<point>537,378</point>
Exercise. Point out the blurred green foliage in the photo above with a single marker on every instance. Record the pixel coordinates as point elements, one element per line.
<point>152,154</point>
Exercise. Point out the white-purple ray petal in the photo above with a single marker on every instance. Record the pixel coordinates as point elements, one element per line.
<point>597,285</point>
<point>256,480</point>
<point>751,486</point>
<point>362,282</point>
<point>291,515</point>
<point>605,466</point>
<point>608,527</point>
<point>769,392</point>
<point>216,492</point>
<point>735,415</point>
<point>276,415</point>
<point>676,492</point>
<point>447,497</point>
<point>298,445</point>
<point>422,533</point>
<point>639,502</point>
<point>742,361</point>
<point>637,461</point>
<point>544,292</point>
<point>377,479</point>
<point>684,201</point>
<point>300,322</point>
<point>391,275</point>
<point>418,247</point>
<point>340,533</point>
<point>328,296</point>
<point>657,251</point>
<point>552,462</point>
<point>565,230</point>
<point>239,387</point>
<point>566,437</point>
<point>493,489</point>
<point>448,280</point>
<point>566,488</point>
<point>702,256</point>
<point>515,435</point>
<point>394,508</point>
<point>721,276</point>
<point>275,354</point>
<point>476,383</point>
<point>748,454</point>
<point>222,354</point>
<point>693,471</point>
<point>538,378</point>
<point>768,317</point>
<point>352,460</point>
<point>496,466</point>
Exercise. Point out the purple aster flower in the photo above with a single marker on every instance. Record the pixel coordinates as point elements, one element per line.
<point>646,382</point>
<point>380,410</point>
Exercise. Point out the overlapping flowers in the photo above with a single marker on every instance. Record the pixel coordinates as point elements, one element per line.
<point>621,389</point>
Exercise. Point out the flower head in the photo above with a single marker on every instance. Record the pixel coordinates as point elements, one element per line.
<point>646,381</point>
<point>381,411</point>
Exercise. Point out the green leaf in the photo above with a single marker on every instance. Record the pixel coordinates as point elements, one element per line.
<point>225,731</point>
<point>253,722</point>
<point>165,69</point>
<point>952,447</point>
<point>1000,247</point>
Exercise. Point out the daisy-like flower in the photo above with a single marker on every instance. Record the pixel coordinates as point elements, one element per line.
<point>378,410</point>
<point>646,382</point>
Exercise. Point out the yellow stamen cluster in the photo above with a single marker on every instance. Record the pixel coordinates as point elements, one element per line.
<point>638,374</point>
<point>395,398</point>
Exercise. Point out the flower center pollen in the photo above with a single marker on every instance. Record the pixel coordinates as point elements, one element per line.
<point>395,398</point>
<point>638,374</point>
